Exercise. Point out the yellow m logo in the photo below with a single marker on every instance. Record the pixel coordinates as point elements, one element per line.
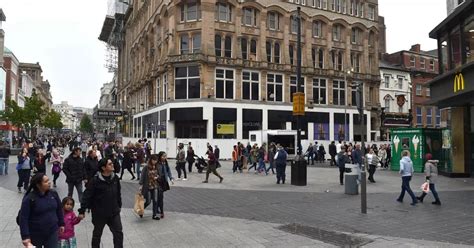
<point>458,82</point>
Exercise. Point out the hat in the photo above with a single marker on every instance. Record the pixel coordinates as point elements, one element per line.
<point>428,156</point>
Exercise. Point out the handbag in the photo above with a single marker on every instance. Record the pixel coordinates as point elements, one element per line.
<point>139,206</point>
<point>425,187</point>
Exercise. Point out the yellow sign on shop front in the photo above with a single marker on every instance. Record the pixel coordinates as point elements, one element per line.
<point>225,128</point>
<point>458,82</point>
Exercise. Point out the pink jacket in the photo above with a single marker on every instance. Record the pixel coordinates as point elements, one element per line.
<point>70,220</point>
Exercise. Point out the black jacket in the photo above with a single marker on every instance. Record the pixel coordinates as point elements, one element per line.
<point>127,159</point>
<point>91,167</point>
<point>332,150</point>
<point>74,169</point>
<point>5,152</point>
<point>102,196</point>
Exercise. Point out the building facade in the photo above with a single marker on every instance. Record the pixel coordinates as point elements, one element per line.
<point>25,89</point>
<point>189,67</point>
<point>11,63</point>
<point>395,98</point>
<point>423,67</point>
<point>68,117</point>
<point>41,87</point>
<point>453,89</point>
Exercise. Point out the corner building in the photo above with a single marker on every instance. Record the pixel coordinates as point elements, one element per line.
<point>188,67</point>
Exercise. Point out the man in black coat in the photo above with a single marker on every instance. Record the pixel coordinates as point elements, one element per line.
<point>103,197</point>
<point>75,172</point>
<point>332,152</point>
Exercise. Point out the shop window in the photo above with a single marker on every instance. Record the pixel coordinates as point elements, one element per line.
<point>456,50</point>
<point>187,82</point>
<point>224,123</point>
<point>191,129</point>
<point>469,40</point>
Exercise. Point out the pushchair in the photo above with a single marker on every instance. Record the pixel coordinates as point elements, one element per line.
<point>200,163</point>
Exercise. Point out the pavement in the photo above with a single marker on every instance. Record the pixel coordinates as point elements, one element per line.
<point>251,210</point>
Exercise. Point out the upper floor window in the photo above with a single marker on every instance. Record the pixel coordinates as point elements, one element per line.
<point>337,60</point>
<point>418,89</point>
<point>317,56</point>
<point>223,12</point>
<point>428,91</point>
<point>273,20</point>
<point>250,85</point>
<point>249,17</point>
<point>248,48</point>
<point>355,61</point>
<point>294,25</point>
<point>294,85</point>
<point>273,52</point>
<point>339,92</point>
<point>291,53</point>
<point>220,51</point>
<point>274,87</point>
<point>319,91</point>
<point>419,116</point>
<point>422,63</point>
<point>318,29</point>
<point>187,82</point>
<point>400,83</point>
<point>225,83</point>
<point>190,11</point>
<point>371,39</point>
<point>336,32</point>
<point>360,9</point>
<point>412,61</point>
<point>371,12</point>
<point>386,81</point>
<point>356,37</point>
<point>432,65</point>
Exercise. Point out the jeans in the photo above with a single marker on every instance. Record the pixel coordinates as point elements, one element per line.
<point>23,178</point>
<point>115,226</point>
<point>333,160</point>
<point>271,167</point>
<point>3,165</point>
<point>181,166</point>
<point>372,169</point>
<point>311,157</point>
<point>406,187</point>
<point>433,190</point>
<point>281,175</point>
<point>341,174</point>
<point>237,165</point>
<point>214,171</point>
<point>152,197</point>
<point>50,241</point>
<point>55,177</point>
<point>254,165</point>
<point>129,170</point>
<point>138,170</point>
<point>261,165</point>
<point>190,165</point>
<point>70,189</point>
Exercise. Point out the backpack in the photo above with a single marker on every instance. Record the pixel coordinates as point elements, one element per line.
<point>32,198</point>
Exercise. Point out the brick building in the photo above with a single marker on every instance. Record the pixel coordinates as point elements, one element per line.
<point>423,67</point>
<point>190,66</point>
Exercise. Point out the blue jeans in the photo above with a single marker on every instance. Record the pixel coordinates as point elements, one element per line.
<point>261,165</point>
<point>433,190</point>
<point>138,170</point>
<point>406,187</point>
<point>3,164</point>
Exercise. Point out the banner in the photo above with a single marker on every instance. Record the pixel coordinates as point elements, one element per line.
<point>225,128</point>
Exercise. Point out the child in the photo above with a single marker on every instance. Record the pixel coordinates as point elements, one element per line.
<point>67,239</point>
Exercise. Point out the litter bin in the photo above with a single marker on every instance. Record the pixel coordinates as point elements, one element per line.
<point>298,171</point>
<point>351,186</point>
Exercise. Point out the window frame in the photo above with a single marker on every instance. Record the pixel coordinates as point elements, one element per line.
<point>275,85</point>
<point>228,12</point>
<point>188,78</point>
<point>419,90</point>
<point>419,116</point>
<point>253,16</point>
<point>185,12</point>
<point>385,81</point>
<point>318,88</point>
<point>224,80</point>
<point>341,91</point>
<point>276,15</point>
<point>317,30</point>
<point>294,84</point>
<point>251,83</point>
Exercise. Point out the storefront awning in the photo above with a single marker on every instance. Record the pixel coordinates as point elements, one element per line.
<point>454,88</point>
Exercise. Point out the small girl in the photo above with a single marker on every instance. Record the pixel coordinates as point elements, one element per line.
<point>67,239</point>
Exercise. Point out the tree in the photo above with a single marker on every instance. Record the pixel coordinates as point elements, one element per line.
<point>52,120</point>
<point>13,114</point>
<point>86,125</point>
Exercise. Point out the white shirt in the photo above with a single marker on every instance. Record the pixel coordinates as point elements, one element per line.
<point>338,147</point>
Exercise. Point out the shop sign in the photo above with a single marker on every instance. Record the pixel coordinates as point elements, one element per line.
<point>298,103</point>
<point>458,82</point>
<point>225,128</point>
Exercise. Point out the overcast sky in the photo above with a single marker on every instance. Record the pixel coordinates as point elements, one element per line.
<point>62,36</point>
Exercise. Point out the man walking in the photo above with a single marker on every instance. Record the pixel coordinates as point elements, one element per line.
<point>103,197</point>
<point>280,162</point>
<point>310,152</point>
<point>181,162</point>
<point>341,161</point>
<point>5,153</point>
<point>75,172</point>
<point>332,153</point>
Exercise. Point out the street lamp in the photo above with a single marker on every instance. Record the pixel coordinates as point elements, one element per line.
<point>348,72</point>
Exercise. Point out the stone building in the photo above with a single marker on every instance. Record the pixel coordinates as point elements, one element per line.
<point>40,87</point>
<point>191,66</point>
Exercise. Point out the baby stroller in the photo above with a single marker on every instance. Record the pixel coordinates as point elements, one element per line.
<point>200,163</point>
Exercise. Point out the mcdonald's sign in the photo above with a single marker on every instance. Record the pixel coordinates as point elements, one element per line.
<point>458,82</point>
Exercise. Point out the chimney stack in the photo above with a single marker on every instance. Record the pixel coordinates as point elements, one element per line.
<point>415,48</point>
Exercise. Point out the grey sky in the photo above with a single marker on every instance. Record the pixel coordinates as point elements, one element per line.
<point>62,36</point>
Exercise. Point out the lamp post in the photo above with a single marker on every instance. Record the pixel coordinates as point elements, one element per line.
<point>363,183</point>
<point>345,108</point>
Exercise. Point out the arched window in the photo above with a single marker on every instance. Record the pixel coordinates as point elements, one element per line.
<point>228,47</point>
<point>276,53</point>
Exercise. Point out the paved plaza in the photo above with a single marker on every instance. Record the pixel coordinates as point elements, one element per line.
<point>250,210</point>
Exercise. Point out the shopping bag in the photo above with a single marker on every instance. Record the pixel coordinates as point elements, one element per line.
<point>425,187</point>
<point>139,206</point>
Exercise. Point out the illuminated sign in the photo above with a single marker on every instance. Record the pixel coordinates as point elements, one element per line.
<point>458,82</point>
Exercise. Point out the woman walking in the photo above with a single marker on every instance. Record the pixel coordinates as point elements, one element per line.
<point>41,214</point>
<point>40,163</point>
<point>24,170</point>
<point>431,173</point>
<point>163,180</point>
<point>372,161</point>
<point>127,162</point>
<point>149,185</point>
<point>406,171</point>
<point>57,161</point>
<point>254,157</point>
<point>383,156</point>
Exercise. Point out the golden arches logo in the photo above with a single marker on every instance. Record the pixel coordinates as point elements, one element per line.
<point>458,82</point>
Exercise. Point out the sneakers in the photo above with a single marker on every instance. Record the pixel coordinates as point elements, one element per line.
<point>436,203</point>
<point>398,200</point>
<point>155,218</point>
<point>185,179</point>
<point>205,181</point>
